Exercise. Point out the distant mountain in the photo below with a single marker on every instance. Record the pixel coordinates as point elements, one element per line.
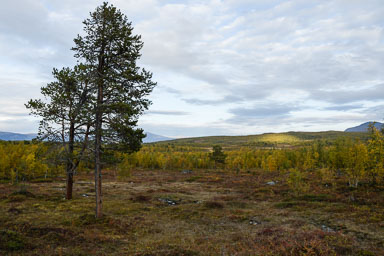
<point>16,136</point>
<point>151,137</point>
<point>364,127</point>
<point>11,136</point>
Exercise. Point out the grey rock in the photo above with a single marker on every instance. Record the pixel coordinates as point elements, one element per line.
<point>254,222</point>
<point>168,201</point>
<point>327,229</point>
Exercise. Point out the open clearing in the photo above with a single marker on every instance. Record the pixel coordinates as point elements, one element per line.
<point>157,212</point>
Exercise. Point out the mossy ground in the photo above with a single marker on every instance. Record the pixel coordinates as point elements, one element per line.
<point>217,213</point>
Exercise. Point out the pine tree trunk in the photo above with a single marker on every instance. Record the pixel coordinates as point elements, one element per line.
<point>99,202</point>
<point>69,185</point>
<point>98,130</point>
<point>97,157</point>
<point>68,195</point>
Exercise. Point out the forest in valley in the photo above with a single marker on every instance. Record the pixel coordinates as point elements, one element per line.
<point>358,159</point>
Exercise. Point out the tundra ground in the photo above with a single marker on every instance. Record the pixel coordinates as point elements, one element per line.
<point>160,212</point>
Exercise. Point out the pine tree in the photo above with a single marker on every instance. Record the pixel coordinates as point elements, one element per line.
<point>110,51</point>
<point>217,155</point>
<point>65,116</point>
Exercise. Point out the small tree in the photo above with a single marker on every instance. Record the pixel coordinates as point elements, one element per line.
<point>110,51</point>
<point>217,155</point>
<point>65,116</point>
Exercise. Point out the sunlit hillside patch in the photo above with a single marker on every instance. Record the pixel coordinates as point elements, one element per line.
<point>278,138</point>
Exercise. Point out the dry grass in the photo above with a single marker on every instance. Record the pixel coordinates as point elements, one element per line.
<point>170,213</point>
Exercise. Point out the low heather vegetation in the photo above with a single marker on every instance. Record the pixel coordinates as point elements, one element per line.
<point>204,212</point>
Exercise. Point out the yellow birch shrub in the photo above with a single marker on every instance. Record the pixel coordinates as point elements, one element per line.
<point>375,170</point>
<point>357,163</point>
<point>271,163</point>
<point>327,176</point>
<point>296,181</point>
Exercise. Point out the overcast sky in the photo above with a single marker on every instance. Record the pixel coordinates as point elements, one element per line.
<point>230,67</point>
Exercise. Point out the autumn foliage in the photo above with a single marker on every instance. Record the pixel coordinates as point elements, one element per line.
<point>355,160</point>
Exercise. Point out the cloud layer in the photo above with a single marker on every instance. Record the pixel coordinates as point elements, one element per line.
<point>222,67</point>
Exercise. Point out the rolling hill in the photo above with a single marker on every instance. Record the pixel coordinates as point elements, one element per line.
<point>286,139</point>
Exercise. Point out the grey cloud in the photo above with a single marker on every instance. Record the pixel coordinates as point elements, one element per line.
<point>289,122</point>
<point>329,120</point>
<point>376,112</point>
<point>339,122</point>
<point>34,36</point>
<point>11,114</point>
<point>175,39</point>
<point>251,116</point>
<point>34,24</point>
<point>226,100</point>
<point>174,91</point>
<point>169,113</point>
<point>28,19</point>
<point>335,50</point>
<point>343,97</point>
<point>22,125</point>
<point>344,107</point>
<point>169,89</point>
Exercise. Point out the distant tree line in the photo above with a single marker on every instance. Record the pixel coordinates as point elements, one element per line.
<point>354,160</point>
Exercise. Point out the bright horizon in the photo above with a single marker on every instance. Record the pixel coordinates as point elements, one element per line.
<point>222,67</point>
